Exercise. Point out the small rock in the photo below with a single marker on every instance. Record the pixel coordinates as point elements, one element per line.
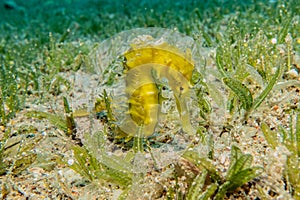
<point>293,73</point>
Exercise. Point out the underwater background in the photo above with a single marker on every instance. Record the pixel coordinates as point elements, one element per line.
<point>247,91</point>
<point>102,18</point>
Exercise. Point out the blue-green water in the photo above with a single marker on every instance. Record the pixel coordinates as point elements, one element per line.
<point>101,18</point>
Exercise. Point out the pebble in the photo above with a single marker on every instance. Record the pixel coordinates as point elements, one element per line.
<point>293,73</point>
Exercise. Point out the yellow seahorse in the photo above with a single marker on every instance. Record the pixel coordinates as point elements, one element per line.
<point>163,60</point>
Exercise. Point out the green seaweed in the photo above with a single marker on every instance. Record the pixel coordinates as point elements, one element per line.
<point>17,152</point>
<point>239,173</point>
<point>196,186</point>
<point>54,119</point>
<point>70,122</point>
<point>290,138</point>
<point>241,91</point>
<point>89,167</point>
<point>284,30</point>
<point>270,135</point>
<point>267,90</point>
